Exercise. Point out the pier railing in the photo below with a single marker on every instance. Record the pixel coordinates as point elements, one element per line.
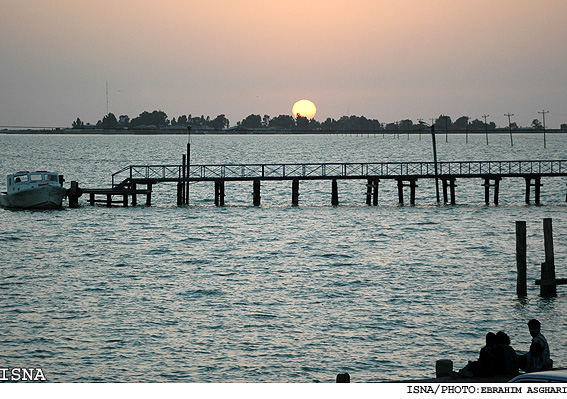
<point>385,170</point>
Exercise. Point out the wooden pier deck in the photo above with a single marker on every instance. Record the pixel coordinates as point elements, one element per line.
<point>126,182</point>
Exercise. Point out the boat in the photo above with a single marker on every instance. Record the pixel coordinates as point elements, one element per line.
<point>33,190</point>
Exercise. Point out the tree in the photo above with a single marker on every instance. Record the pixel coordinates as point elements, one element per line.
<point>108,122</point>
<point>462,123</point>
<point>536,124</point>
<point>405,125</point>
<point>443,123</point>
<point>157,118</point>
<point>252,122</point>
<point>564,126</point>
<point>282,121</point>
<point>78,124</point>
<point>220,122</point>
<point>124,120</point>
<point>301,122</point>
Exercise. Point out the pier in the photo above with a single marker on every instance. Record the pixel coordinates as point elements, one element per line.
<point>135,180</point>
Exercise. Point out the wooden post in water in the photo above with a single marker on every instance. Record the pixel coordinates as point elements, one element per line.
<point>521,258</point>
<point>149,195</point>
<point>413,185</point>
<point>334,193</point>
<point>452,187</point>
<point>487,186</point>
<point>487,191</point>
<point>375,192</point>
<point>372,191</point>
<point>188,174</point>
<point>496,189</point>
<point>219,192</point>
<point>295,192</point>
<point>400,192</point>
<point>548,267</point>
<point>183,169</point>
<point>180,195</point>
<point>257,196</point>
<point>134,199</point>
<point>73,193</point>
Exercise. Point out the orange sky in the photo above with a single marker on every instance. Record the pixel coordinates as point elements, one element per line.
<point>384,59</point>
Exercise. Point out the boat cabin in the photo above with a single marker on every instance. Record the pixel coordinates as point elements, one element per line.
<point>26,180</point>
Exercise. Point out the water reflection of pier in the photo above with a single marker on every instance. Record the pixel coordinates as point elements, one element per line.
<point>127,181</point>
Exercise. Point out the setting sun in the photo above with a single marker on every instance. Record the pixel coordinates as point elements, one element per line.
<point>304,108</point>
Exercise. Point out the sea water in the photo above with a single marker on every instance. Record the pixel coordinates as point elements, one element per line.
<point>273,293</point>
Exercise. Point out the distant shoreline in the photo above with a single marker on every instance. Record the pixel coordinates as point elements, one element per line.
<point>182,132</point>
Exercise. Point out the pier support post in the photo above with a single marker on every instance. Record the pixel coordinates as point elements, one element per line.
<point>74,193</point>
<point>548,267</point>
<point>372,192</point>
<point>412,185</point>
<point>487,186</point>
<point>257,197</point>
<point>149,195</point>
<point>334,193</point>
<point>134,197</point>
<point>449,183</point>
<point>219,192</point>
<point>521,258</point>
<point>496,190</point>
<point>400,192</point>
<point>537,185</point>
<point>375,192</point>
<point>180,193</point>
<point>295,192</point>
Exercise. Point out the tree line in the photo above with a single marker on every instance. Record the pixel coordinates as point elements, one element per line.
<point>160,120</point>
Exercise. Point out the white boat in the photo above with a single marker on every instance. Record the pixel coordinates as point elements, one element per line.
<point>33,190</point>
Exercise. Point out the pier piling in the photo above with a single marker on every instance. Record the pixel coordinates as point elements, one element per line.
<point>295,192</point>
<point>537,188</point>
<point>257,196</point>
<point>73,194</point>
<point>372,192</point>
<point>548,267</point>
<point>412,184</point>
<point>487,186</point>
<point>521,258</point>
<point>449,183</point>
<point>219,192</point>
<point>334,193</point>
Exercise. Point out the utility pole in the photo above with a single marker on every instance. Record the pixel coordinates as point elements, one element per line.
<point>510,127</point>
<point>486,127</point>
<point>467,130</point>
<point>543,113</point>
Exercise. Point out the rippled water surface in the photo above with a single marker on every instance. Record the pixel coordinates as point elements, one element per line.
<point>272,293</point>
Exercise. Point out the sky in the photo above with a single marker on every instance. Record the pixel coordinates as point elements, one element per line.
<point>382,59</point>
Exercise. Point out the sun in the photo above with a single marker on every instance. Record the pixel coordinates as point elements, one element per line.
<point>304,108</point>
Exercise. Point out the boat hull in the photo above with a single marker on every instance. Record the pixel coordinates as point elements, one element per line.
<point>43,197</point>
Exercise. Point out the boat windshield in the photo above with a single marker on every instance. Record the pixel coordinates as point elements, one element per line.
<point>36,177</point>
<point>21,178</point>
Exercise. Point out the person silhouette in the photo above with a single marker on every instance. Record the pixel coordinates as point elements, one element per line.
<point>538,358</point>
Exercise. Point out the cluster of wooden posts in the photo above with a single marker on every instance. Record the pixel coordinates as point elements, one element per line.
<point>548,282</point>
